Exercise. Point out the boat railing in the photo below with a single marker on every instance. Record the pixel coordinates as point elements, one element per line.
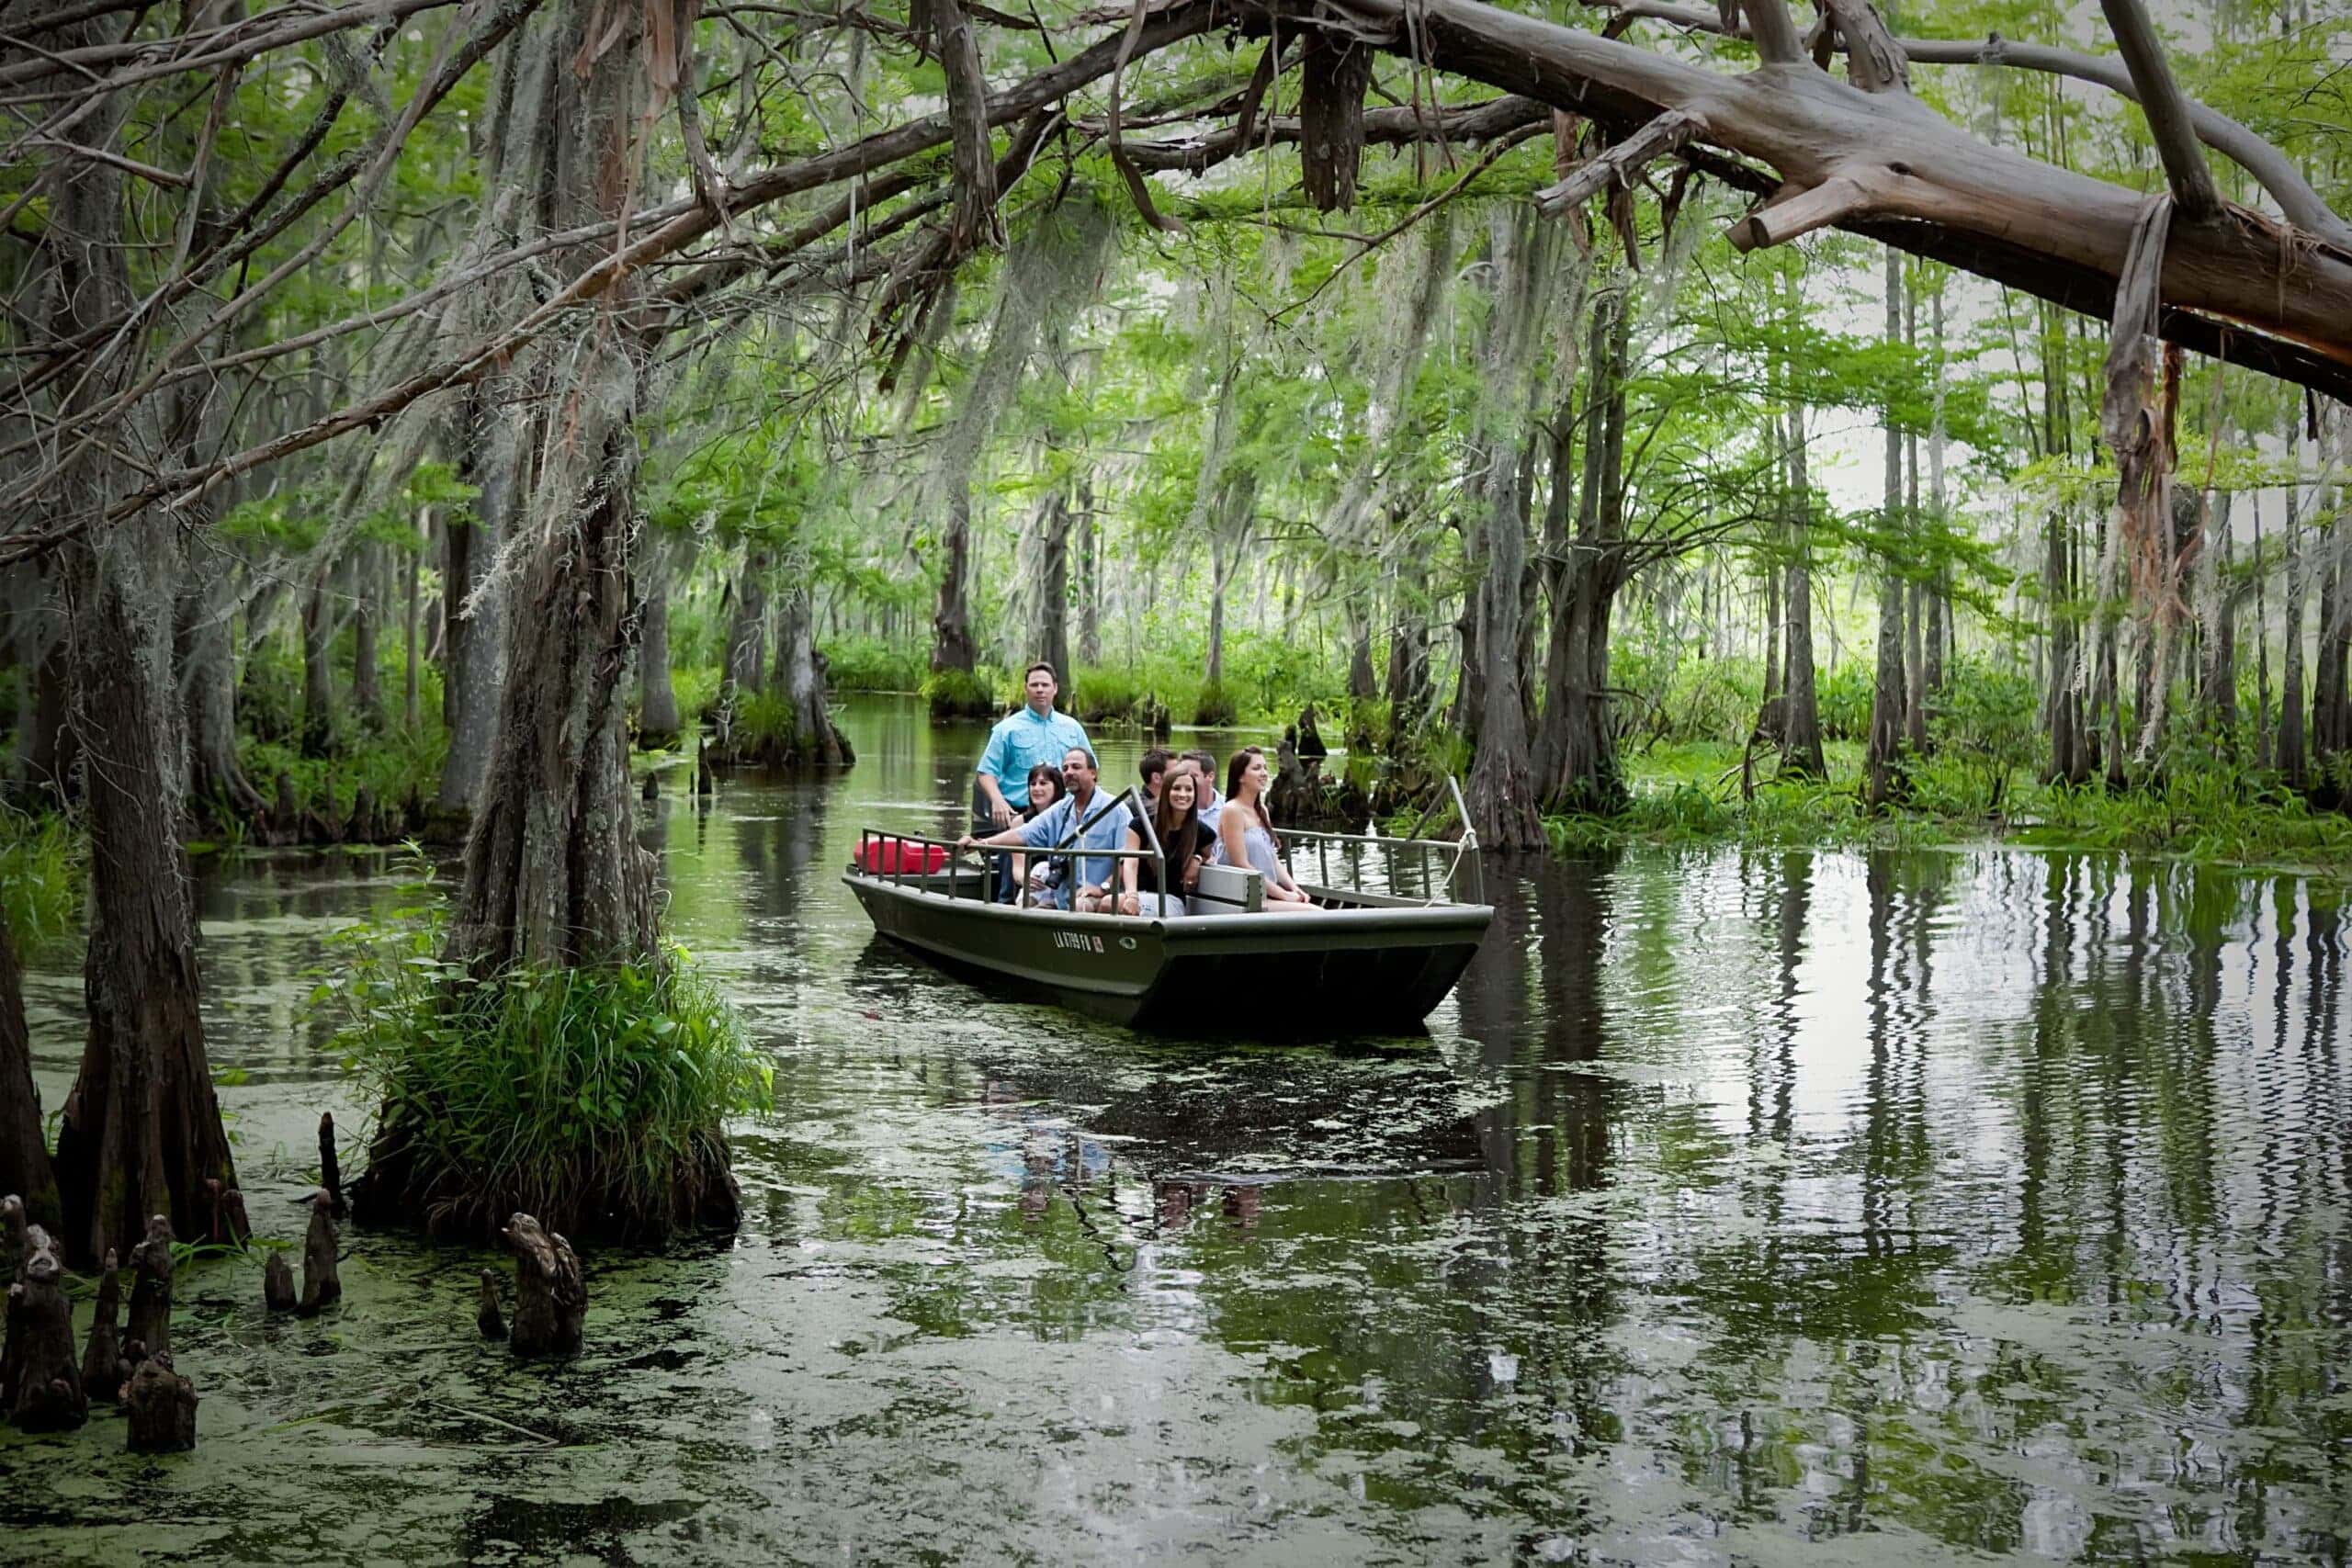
<point>1418,856</point>
<point>1068,851</point>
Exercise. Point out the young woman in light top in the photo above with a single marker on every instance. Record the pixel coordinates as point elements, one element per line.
<point>1245,833</point>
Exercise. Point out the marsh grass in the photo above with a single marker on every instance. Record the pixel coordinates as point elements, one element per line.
<point>43,862</point>
<point>596,1098</point>
<point>2207,811</point>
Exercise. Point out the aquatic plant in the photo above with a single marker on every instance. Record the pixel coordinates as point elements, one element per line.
<point>959,694</point>
<point>41,866</point>
<point>596,1097</point>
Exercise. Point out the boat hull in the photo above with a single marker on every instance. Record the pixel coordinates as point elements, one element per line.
<point>1341,972</point>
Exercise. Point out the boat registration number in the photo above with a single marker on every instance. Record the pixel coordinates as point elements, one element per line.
<point>1081,941</point>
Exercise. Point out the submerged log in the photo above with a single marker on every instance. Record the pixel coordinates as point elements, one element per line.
<point>48,1396</point>
<point>330,1167</point>
<point>162,1407</point>
<point>151,1289</point>
<point>489,1319</point>
<point>551,1297</point>
<point>103,1367</point>
<point>322,1286</point>
<point>278,1284</point>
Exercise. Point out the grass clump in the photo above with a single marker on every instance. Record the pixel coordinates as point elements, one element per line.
<point>42,863</point>
<point>870,664</point>
<point>959,694</point>
<point>596,1098</point>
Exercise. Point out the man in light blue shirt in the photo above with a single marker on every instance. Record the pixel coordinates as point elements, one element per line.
<point>1036,734</point>
<point>1098,824</point>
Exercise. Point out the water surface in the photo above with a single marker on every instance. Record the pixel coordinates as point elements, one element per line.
<point>1739,1207</point>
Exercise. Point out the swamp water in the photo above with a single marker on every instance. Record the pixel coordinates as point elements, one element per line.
<point>1764,1207</point>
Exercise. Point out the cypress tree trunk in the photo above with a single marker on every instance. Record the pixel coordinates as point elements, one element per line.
<point>747,627</point>
<point>142,1132</point>
<point>800,675</point>
<point>656,698</point>
<point>553,872</point>
<point>366,688</point>
<point>1801,728</point>
<point>24,1155</point>
<point>1052,608</point>
<point>1090,578</point>
<point>318,679</point>
<point>951,623</point>
<point>1580,739</point>
<point>2294,765</point>
<point>1881,778</point>
<point>219,791</point>
<point>410,628</point>
<point>1408,649</point>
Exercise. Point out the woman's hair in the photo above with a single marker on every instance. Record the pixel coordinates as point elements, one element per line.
<point>1233,771</point>
<point>1179,835</point>
<point>1044,773</point>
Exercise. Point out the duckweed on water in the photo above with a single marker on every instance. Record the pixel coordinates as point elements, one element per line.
<point>596,1098</point>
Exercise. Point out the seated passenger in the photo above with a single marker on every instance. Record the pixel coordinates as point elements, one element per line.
<point>1204,764</point>
<point>1154,769</point>
<point>1045,788</point>
<point>1245,833</point>
<point>1082,815</point>
<point>1182,841</point>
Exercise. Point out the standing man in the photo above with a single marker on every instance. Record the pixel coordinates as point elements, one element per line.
<point>1036,734</point>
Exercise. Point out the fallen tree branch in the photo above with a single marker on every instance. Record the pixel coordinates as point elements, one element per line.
<point>2194,195</point>
<point>1615,165</point>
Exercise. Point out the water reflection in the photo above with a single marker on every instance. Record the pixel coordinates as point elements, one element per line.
<point>1955,1201</point>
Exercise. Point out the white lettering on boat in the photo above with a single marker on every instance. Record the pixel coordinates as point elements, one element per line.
<point>1079,939</point>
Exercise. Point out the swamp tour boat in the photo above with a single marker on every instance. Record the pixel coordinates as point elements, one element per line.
<point>1388,938</point>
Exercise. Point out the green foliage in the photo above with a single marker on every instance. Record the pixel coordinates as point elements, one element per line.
<point>869,664</point>
<point>1215,705</point>
<point>394,768</point>
<point>594,1097</point>
<point>1984,725</point>
<point>956,693</point>
<point>42,865</point>
<point>696,688</point>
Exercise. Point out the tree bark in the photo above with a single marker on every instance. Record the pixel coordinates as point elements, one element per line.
<point>2293,755</point>
<point>24,1150</point>
<point>1580,741</point>
<point>367,686</point>
<point>658,724</point>
<point>219,791</point>
<point>1801,727</point>
<point>1502,796</point>
<point>318,676</point>
<point>1053,606</point>
<point>553,871</point>
<point>1882,764</point>
<point>747,625</point>
<point>142,1132</point>
<point>800,675</point>
<point>412,655</point>
<point>951,623</point>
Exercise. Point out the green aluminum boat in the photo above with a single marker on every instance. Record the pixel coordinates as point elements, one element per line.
<point>1387,942</point>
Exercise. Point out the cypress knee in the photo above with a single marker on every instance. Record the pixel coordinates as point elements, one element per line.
<point>489,1319</point>
<point>331,1167</point>
<point>162,1407</point>
<point>48,1396</point>
<point>12,1259</point>
<point>322,1286</point>
<point>150,1288</point>
<point>551,1297</point>
<point>103,1367</point>
<point>278,1284</point>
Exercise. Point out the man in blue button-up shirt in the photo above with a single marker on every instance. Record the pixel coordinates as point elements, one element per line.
<point>1036,734</point>
<point>1098,824</point>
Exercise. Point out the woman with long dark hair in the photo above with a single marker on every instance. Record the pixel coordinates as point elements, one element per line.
<point>1045,788</point>
<point>1184,843</point>
<point>1245,832</point>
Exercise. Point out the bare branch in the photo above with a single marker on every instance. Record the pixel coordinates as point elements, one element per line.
<point>1617,164</point>
<point>1775,31</point>
<point>968,114</point>
<point>1875,62</point>
<point>2194,195</point>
